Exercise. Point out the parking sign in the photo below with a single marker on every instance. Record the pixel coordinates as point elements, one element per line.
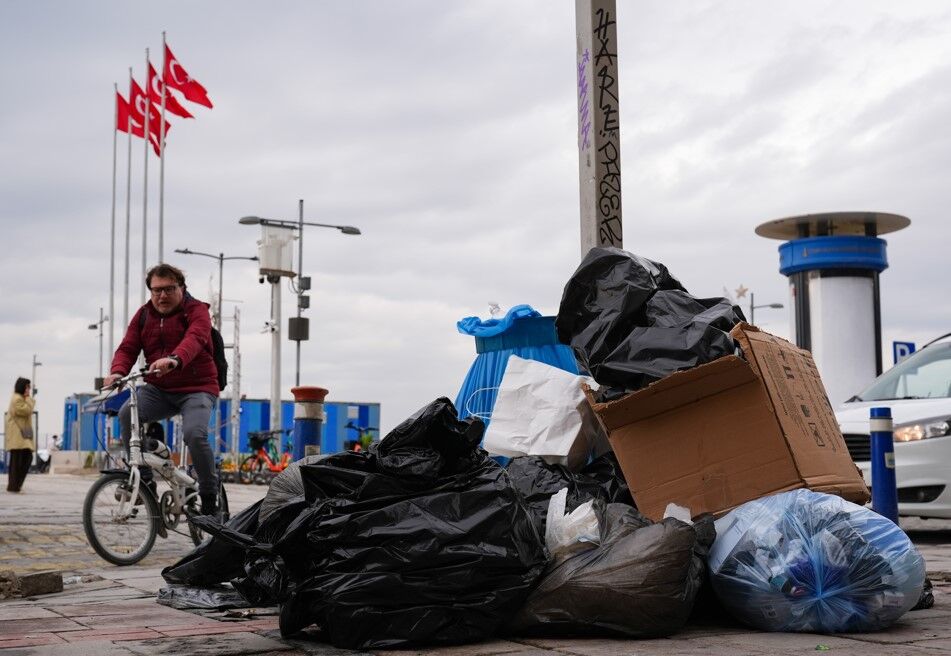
<point>901,350</point>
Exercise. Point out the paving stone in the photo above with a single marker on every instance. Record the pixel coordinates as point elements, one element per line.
<point>82,610</point>
<point>24,613</point>
<point>154,617</point>
<point>136,633</point>
<point>29,641</point>
<point>489,648</point>
<point>38,625</point>
<point>87,648</point>
<point>234,644</point>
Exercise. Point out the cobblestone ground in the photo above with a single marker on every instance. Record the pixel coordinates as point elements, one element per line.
<point>112,611</point>
<point>41,527</point>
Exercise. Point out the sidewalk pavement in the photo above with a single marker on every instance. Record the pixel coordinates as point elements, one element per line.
<point>112,611</point>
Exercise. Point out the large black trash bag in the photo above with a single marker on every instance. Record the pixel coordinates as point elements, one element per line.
<point>536,481</point>
<point>630,323</point>
<point>222,557</point>
<point>641,581</point>
<point>422,540</point>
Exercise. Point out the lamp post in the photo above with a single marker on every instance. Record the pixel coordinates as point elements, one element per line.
<point>94,326</point>
<point>221,265</point>
<point>33,375</point>
<point>753,307</point>
<point>218,319</point>
<point>298,329</point>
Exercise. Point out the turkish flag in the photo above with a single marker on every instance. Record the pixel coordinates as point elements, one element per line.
<point>124,121</point>
<point>137,105</point>
<point>156,89</point>
<point>130,116</point>
<point>178,78</point>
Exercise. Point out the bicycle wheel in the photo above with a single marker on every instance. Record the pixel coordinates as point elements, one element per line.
<point>251,467</point>
<point>119,530</point>
<point>197,535</point>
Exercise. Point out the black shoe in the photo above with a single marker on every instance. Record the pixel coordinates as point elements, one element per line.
<point>209,504</point>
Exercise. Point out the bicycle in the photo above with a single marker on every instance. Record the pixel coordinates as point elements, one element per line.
<point>364,437</point>
<point>264,457</point>
<point>123,517</point>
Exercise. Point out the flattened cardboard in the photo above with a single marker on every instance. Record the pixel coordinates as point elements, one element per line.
<point>733,430</point>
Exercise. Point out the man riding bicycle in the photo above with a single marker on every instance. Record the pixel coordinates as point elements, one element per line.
<point>173,329</point>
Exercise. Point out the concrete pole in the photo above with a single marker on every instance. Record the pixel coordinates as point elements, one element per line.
<point>599,127</point>
<point>275,352</point>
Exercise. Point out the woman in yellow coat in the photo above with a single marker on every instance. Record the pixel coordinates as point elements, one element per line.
<point>19,434</point>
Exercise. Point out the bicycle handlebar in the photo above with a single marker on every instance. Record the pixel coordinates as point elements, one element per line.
<point>125,380</point>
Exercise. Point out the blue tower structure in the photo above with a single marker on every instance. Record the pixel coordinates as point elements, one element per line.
<point>833,261</point>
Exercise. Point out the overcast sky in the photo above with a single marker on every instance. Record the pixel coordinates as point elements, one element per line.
<point>446,131</point>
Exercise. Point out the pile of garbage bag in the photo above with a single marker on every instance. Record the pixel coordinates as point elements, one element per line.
<point>420,540</point>
<point>630,322</point>
<point>812,562</point>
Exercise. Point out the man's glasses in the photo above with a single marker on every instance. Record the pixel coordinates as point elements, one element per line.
<point>168,291</point>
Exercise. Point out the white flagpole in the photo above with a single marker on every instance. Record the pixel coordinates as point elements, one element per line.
<point>128,204</point>
<point>145,185</point>
<point>161,202</point>
<point>112,225</point>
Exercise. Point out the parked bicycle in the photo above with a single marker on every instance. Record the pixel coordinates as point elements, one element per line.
<point>264,461</point>
<point>364,437</point>
<point>122,516</point>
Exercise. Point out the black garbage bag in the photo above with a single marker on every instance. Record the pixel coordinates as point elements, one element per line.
<point>630,322</point>
<point>421,540</point>
<point>640,581</point>
<point>187,597</point>
<point>222,557</point>
<point>536,481</point>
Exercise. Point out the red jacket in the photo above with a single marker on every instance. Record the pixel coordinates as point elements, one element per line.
<point>161,336</point>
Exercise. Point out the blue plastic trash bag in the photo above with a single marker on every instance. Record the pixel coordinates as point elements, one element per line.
<point>811,562</point>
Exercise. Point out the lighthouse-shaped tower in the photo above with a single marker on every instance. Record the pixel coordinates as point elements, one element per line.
<point>833,261</point>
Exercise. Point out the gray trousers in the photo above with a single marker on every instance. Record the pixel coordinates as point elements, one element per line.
<point>195,409</point>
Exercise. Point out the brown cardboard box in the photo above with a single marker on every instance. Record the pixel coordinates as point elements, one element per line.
<point>733,430</point>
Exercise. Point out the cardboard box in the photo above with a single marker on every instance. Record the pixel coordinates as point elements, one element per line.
<point>733,430</point>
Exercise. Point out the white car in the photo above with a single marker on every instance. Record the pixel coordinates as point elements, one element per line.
<point>918,390</point>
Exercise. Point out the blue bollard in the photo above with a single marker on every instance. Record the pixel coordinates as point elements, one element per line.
<point>884,487</point>
<point>308,420</point>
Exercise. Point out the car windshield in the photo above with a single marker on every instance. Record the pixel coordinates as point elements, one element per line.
<point>923,375</point>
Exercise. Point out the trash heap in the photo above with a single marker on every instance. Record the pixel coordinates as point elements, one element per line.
<point>602,522</point>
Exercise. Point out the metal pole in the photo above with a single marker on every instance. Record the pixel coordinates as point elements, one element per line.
<point>101,321</point>
<point>128,205</point>
<point>161,206</point>
<point>236,389</point>
<point>752,311</point>
<point>221,298</point>
<point>275,353</point>
<point>300,274</point>
<point>112,231</point>
<point>145,186</point>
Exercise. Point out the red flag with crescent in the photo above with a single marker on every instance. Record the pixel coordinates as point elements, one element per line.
<point>136,111</point>
<point>157,88</point>
<point>178,78</point>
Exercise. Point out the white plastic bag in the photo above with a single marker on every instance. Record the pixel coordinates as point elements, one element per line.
<point>563,531</point>
<point>541,410</point>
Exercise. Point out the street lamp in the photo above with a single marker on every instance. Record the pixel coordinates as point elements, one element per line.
<point>94,326</point>
<point>775,306</point>
<point>221,264</point>
<point>297,329</point>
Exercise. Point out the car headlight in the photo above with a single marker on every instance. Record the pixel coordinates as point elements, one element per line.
<point>922,430</point>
